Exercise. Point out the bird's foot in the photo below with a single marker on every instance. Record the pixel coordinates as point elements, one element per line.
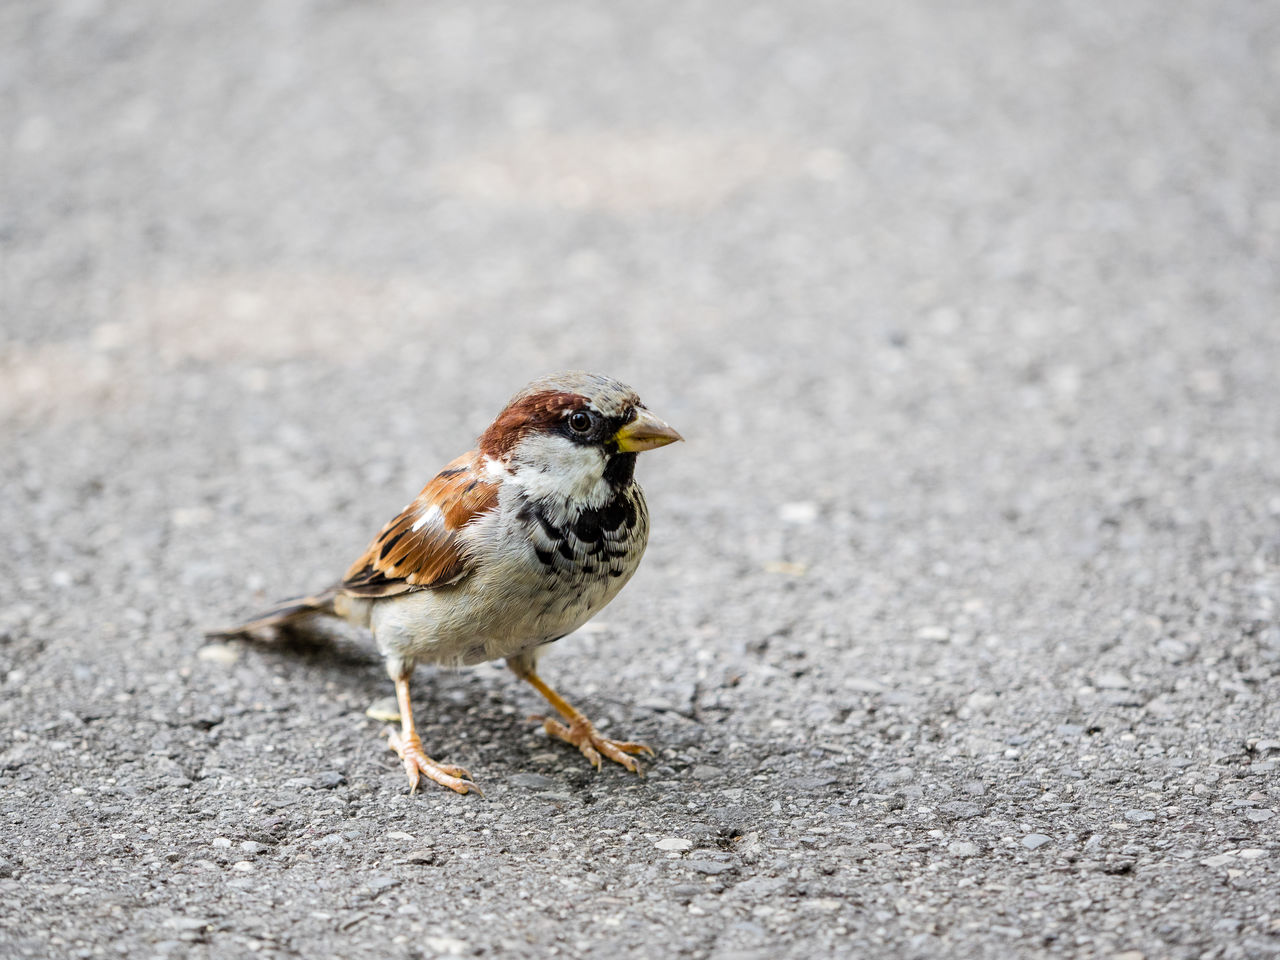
<point>416,762</point>
<point>582,734</point>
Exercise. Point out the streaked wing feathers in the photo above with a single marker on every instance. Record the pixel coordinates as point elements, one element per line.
<point>424,546</point>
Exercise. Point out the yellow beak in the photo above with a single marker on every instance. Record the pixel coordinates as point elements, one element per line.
<point>645,432</point>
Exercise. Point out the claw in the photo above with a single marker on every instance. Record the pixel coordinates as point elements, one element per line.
<point>582,734</point>
<point>416,762</point>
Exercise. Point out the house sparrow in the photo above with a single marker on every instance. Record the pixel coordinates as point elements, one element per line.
<point>509,548</point>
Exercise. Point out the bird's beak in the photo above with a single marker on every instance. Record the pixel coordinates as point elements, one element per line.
<point>645,432</point>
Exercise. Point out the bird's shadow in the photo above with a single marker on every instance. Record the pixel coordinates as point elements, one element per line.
<point>314,647</point>
<point>351,659</point>
<point>466,715</point>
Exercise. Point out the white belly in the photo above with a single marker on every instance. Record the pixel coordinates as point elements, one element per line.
<point>496,613</point>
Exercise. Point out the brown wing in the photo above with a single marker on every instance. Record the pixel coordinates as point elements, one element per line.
<point>423,546</point>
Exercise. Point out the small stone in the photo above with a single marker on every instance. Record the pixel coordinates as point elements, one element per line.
<point>450,946</point>
<point>20,753</point>
<point>222,843</point>
<point>222,653</point>
<point>385,710</point>
<point>864,685</point>
<point>982,702</point>
<point>934,632</point>
<point>706,771</point>
<point>1259,816</point>
<point>244,866</point>
<point>1129,955</point>
<point>186,517</point>
<point>300,783</point>
<point>1034,841</point>
<point>377,886</point>
<point>800,512</point>
<point>962,848</point>
<point>731,819</point>
<point>786,568</point>
<point>960,809</point>
<point>253,848</point>
<point>330,780</point>
<point>1251,853</point>
<point>674,844</point>
<point>1112,680</point>
<point>1221,860</point>
<point>165,767</point>
<point>1139,816</point>
<point>425,856</point>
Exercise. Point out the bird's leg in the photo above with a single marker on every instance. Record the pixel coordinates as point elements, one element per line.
<point>580,731</point>
<point>409,747</point>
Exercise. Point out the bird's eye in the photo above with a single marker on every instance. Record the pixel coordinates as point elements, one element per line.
<point>580,422</point>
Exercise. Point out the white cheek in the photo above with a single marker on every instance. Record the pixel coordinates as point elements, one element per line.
<point>549,466</point>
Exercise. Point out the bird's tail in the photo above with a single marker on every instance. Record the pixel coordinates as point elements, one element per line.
<point>285,614</point>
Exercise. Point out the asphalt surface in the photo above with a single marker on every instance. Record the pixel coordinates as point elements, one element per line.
<point>957,634</point>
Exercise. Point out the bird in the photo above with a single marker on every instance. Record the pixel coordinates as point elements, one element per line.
<point>509,548</point>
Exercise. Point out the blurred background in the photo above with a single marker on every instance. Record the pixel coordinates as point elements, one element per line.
<point>939,292</point>
<point>968,311</point>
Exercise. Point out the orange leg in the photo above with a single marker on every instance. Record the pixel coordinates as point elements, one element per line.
<point>580,731</point>
<point>409,747</point>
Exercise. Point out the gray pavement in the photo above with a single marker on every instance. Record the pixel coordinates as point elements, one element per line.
<point>958,632</point>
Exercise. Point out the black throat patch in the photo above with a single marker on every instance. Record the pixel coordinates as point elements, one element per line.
<point>620,469</point>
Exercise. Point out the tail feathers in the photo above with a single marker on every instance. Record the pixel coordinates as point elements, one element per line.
<point>286,613</point>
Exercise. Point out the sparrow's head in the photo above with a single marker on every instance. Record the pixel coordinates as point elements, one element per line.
<point>574,435</point>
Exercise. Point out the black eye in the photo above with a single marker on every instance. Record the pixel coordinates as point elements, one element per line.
<point>580,422</point>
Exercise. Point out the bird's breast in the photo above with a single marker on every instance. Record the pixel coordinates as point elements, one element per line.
<point>575,545</point>
<point>549,568</point>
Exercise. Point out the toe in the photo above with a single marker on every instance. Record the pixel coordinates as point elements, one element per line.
<point>555,728</point>
<point>589,751</point>
<point>461,772</point>
<point>614,752</point>
<point>627,746</point>
<point>411,769</point>
<point>594,747</point>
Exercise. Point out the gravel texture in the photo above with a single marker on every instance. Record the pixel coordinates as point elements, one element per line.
<point>958,632</point>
